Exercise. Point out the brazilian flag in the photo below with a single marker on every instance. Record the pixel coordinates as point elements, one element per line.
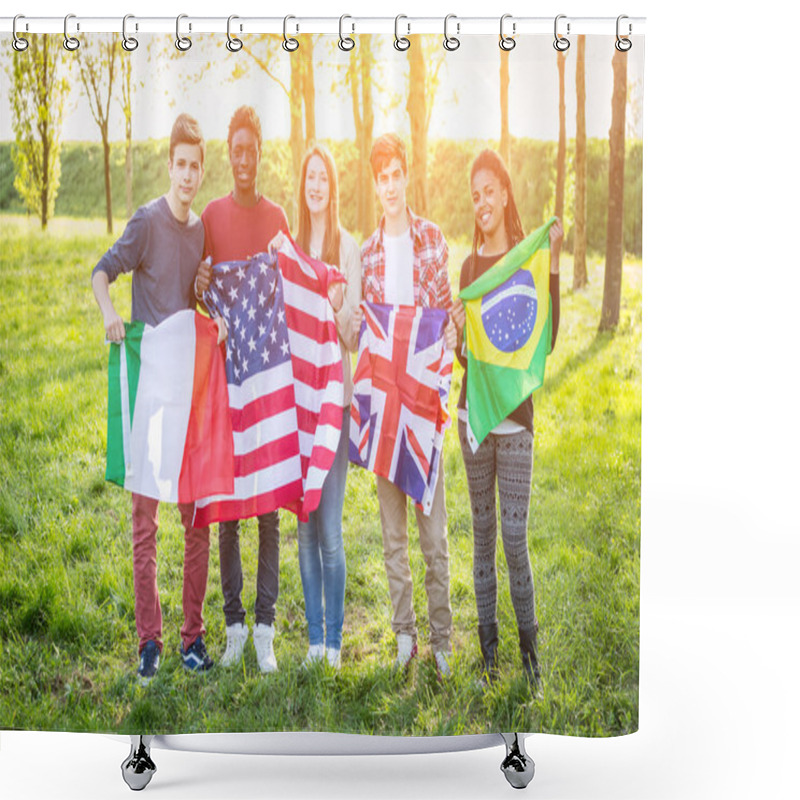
<point>508,332</point>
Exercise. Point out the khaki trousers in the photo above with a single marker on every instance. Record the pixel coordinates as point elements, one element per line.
<point>433,542</point>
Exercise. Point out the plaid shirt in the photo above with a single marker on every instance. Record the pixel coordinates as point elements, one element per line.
<point>431,280</point>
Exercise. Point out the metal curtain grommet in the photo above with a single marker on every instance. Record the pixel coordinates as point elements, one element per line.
<point>129,43</point>
<point>70,42</point>
<point>182,43</point>
<point>234,44</point>
<point>289,43</point>
<point>451,42</point>
<point>507,42</point>
<point>400,42</point>
<point>560,42</point>
<point>623,45</point>
<point>18,43</point>
<point>346,43</point>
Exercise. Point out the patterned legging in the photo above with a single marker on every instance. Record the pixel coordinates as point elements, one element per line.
<point>506,459</point>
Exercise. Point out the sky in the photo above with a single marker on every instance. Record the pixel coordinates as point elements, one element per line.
<point>466,104</point>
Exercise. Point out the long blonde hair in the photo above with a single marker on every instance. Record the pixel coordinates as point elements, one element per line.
<point>330,244</point>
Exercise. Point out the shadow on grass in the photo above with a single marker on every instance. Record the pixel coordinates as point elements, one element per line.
<point>578,360</point>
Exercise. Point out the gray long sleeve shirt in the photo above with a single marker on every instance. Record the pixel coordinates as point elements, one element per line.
<point>163,255</point>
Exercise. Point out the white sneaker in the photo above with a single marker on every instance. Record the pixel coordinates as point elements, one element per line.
<point>237,639</point>
<point>442,663</point>
<point>316,652</point>
<point>334,657</point>
<point>263,636</point>
<point>406,650</point>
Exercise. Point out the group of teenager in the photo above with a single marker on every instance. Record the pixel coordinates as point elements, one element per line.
<point>169,250</point>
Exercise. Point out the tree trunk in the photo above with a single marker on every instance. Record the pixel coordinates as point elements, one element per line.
<point>505,137</point>
<point>296,138</point>
<point>561,171</point>
<point>308,90</point>
<point>128,171</point>
<point>612,287</point>
<point>45,141</point>
<point>107,176</point>
<point>579,275</point>
<point>417,113</point>
<point>368,121</point>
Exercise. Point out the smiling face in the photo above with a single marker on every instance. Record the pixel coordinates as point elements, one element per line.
<point>185,173</point>
<point>489,201</point>
<point>317,186</point>
<point>244,155</point>
<point>390,184</point>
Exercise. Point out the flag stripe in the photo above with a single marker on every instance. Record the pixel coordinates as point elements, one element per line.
<point>274,451</point>
<point>261,408</point>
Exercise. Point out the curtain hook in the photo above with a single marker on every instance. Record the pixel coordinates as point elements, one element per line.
<point>451,42</point>
<point>290,44</point>
<point>18,43</point>
<point>129,43</point>
<point>623,45</point>
<point>183,43</point>
<point>346,43</point>
<point>561,43</point>
<point>70,42</point>
<point>234,44</point>
<point>507,42</point>
<point>401,42</point>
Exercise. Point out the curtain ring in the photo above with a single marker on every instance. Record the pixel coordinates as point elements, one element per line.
<point>346,43</point>
<point>401,43</point>
<point>290,44</point>
<point>623,45</point>
<point>507,42</point>
<point>451,42</point>
<point>561,43</point>
<point>129,43</point>
<point>234,44</point>
<point>18,43</point>
<point>70,42</point>
<point>183,43</point>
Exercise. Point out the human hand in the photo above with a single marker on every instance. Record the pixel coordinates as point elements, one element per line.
<point>202,279</point>
<point>358,318</point>
<point>222,329</point>
<point>336,296</point>
<point>115,327</point>
<point>277,242</point>
<point>458,315</point>
<point>450,336</point>
<point>556,239</point>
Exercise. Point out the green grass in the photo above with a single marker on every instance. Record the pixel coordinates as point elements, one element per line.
<point>67,633</point>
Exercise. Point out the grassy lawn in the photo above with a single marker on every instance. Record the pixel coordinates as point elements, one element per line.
<point>67,633</point>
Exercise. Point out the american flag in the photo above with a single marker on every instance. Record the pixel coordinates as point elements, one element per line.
<point>401,385</point>
<point>284,373</point>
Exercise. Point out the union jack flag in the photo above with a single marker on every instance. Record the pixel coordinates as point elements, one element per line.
<point>284,372</point>
<point>401,384</point>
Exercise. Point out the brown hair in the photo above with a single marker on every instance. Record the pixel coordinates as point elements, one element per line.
<point>489,159</point>
<point>330,244</point>
<point>245,117</point>
<point>186,130</point>
<point>385,148</point>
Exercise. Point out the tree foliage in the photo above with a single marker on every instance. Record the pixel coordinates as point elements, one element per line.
<point>39,89</point>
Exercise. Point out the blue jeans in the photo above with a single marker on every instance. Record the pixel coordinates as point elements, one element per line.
<point>320,547</point>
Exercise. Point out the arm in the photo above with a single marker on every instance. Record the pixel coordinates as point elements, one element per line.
<point>444,294</point>
<point>556,239</point>
<point>351,268</point>
<point>112,322</point>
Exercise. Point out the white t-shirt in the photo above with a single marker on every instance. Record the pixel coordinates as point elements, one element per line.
<point>399,268</point>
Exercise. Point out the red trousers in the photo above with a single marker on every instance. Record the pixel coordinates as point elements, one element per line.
<point>145,587</point>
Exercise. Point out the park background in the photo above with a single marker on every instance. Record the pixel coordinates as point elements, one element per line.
<point>66,621</point>
<point>719,529</point>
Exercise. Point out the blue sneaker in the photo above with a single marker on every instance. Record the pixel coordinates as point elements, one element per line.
<point>148,663</point>
<point>195,658</point>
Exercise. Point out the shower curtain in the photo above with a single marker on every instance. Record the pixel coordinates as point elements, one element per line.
<point>246,284</point>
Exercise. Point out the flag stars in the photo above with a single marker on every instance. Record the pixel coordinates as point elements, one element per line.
<point>251,313</point>
<point>252,344</point>
<point>233,293</point>
<point>265,355</point>
<point>240,273</point>
<point>252,282</point>
<point>285,348</point>
<point>262,331</point>
<point>273,336</point>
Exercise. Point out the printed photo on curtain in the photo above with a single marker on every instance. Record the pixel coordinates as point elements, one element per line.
<point>321,385</point>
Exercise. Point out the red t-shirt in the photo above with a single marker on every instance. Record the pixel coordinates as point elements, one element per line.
<point>234,232</point>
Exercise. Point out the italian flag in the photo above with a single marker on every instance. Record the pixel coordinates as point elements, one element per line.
<point>169,426</point>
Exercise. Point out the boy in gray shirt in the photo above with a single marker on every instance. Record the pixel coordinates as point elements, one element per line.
<point>162,247</point>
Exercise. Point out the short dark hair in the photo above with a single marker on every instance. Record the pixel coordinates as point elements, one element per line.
<point>186,130</point>
<point>385,148</point>
<point>245,117</point>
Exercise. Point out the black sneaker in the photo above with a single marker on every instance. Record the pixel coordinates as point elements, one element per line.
<point>148,663</point>
<point>195,657</point>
